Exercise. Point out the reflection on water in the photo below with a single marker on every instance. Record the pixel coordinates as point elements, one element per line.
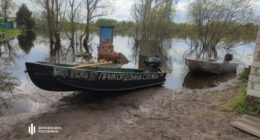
<point>8,58</point>
<point>30,47</point>
<point>8,82</point>
<point>200,81</point>
<point>153,48</point>
<point>25,41</point>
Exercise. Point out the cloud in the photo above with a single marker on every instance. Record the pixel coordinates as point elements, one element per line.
<point>183,5</point>
<point>29,3</point>
<point>182,10</point>
<point>256,5</point>
<point>121,9</point>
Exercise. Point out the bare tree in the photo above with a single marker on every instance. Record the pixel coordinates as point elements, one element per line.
<point>52,9</point>
<point>94,9</point>
<point>81,31</point>
<point>72,12</point>
<point>7,7</point>
<point>153,19</point>
<point>213,22</point>
<point>153,23</point>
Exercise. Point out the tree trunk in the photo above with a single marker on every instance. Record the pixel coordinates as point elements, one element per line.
<point>50,29</point>
<point>86,40</point>
<point>5,9</point>
<point>80,41</point>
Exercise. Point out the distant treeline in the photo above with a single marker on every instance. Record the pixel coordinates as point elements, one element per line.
<point>118,25</point>
<point>245,32</point>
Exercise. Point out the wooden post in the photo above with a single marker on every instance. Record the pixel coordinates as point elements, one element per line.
<point>253,89</point>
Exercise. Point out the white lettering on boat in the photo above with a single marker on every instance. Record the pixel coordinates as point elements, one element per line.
<point>128,76</point>
<point>92,75</point>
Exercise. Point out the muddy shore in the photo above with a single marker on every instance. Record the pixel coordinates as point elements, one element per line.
<point>153,113</point>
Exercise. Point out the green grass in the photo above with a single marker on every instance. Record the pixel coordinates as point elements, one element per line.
<point>245,74</point>
<point>10,33</point>
<point>242,103</point>
<point>238,103</point>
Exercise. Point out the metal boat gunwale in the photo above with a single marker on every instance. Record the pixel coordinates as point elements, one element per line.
<point>87,70</point>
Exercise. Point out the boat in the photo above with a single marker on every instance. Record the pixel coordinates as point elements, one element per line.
<point>211,66</point>
<point>64,77</point>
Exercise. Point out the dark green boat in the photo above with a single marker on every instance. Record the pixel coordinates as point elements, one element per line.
<point>61,77</point>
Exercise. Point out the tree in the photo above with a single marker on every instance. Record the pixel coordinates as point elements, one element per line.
<point>106,22</point>
<point>114,23</point>
<point>94,9</point>
<point>52,8</point>
<point>24,18</point>
<point>41,22</point>
<point>153,19</point>
<point>214,21</point>
<point>74,8</point>
<point>7,7</point>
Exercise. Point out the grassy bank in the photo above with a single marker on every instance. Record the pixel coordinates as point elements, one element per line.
<point>10,33</point>
<point>240,103</point>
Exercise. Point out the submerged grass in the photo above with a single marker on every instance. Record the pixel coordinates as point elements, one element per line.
<point>10,33</point>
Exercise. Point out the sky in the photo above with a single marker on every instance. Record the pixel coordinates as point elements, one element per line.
<point>122,9</point>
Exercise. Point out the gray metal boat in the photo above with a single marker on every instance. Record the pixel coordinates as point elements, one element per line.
<point>210,66</point>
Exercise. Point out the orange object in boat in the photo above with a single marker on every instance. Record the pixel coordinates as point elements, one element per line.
<point>191,58</point>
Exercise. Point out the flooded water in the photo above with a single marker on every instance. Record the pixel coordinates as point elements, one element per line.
<point>19,95</point>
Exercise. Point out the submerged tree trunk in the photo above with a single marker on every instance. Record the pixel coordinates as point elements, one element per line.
<point>80,42</point>
<point>85,44</point>
<point>52,9</point>
<point>86,39</point>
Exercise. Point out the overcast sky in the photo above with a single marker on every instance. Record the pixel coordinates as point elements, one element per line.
<point>122,8</point>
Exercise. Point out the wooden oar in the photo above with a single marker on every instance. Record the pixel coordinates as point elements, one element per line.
<point>95,64</point>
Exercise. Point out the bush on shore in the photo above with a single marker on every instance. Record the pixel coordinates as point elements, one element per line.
<point>243,103</point>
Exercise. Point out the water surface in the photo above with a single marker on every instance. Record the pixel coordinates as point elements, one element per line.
<point>23,96</point>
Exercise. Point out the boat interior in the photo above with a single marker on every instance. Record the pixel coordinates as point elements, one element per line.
<point>95,68</point>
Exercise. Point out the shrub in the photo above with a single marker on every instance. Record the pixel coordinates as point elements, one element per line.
<point>244,104</point>
<point>238,103</point>
<point>245,74</point>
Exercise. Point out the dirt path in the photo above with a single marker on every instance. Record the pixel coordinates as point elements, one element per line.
<point>153,113</point>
